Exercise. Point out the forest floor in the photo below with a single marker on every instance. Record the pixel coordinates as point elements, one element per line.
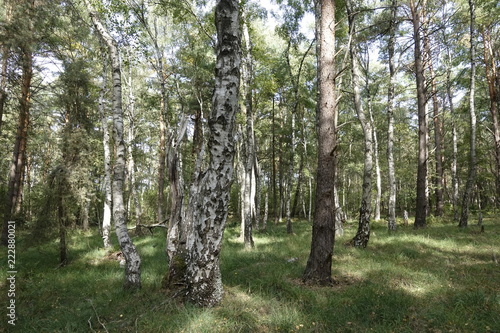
<point>439,279</point>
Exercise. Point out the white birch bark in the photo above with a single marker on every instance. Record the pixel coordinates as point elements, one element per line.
<point>208,204</point>
<point>132,258</point>
<point>391,218</point>
<point>106,216</point>
<point>363,234</point>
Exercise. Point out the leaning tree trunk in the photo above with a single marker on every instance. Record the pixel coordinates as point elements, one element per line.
<point>422,202</point>
<point>471,179</point>
<point>391,218</point>
<point>363,234</point>
<point>319,265</point>
<point>208,204</point>
<point>132,258</point>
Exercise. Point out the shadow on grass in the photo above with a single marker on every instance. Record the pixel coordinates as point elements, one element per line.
<point>437,279</point>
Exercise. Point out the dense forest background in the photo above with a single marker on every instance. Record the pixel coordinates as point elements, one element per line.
<point>61,125</point>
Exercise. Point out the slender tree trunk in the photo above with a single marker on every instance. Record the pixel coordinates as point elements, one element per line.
<point>391,218</point>
<point>422,202</point>
<point>3,84</point>
<point>249,162</point>
<point>275,194</point>
<point>258,191</point>
<point>85,213</point>
<point>289,182</point>
<point>298,186</point>
<point>208,203</point>
<point>438,178</point>
<point>130,154</point>
<point>378,175</point>
<point>63,249</point>
<point>449,96</point>
<point>17,168</point>
<point>176,237</point>
<point>106,216</point>
<point>471,179</point>
<point>266,210</point>
<point>363,234</point>
<point>162,158</point>
<point>132,258</point>
<point>339,214</point>
<point>454,173</point>
<point>319,265</point>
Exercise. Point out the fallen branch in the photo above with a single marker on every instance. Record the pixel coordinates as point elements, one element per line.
<point>98,319</point>
<point>150,227</point>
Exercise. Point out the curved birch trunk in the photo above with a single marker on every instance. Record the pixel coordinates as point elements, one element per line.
<point>208,204</point>
<point>132,258</point>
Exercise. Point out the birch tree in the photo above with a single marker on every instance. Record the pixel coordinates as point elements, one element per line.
<point>132,258</point>
<point>363,234</point>
<point>391,218</point>
<point>106,216</point>
<point>209,198</point>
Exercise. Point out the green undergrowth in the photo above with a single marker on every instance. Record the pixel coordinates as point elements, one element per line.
<point>439,279</point>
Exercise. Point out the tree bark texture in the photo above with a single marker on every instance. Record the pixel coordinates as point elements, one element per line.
<point>391,218</point>
<point>106,216</point>
<point>422,202</point>
<point>471,179</point>
<point>208,204</point>
<point>319,265</point>
<point>363,234</point>
<point>132,258</point>
<point>132,184</point>
<point>176,237</point>
<point>249,177</point>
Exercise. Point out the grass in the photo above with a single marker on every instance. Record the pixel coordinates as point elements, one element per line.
<point>440,279</point>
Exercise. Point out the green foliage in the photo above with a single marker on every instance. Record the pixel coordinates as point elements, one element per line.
<point>438,279</point>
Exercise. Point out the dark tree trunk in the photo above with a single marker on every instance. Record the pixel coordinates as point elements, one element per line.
<point>422,202</point>
<point>471,179</point>
<point>319,265</point>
